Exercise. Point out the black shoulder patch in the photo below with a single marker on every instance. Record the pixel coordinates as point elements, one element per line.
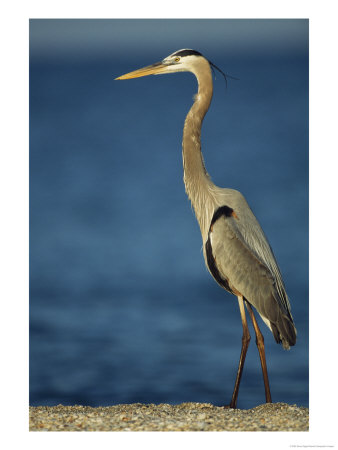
<point>221,211</point>
<point>213,268</point>
<point>187,52</point>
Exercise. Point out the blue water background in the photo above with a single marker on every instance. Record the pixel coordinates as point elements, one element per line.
<point>122,308</point>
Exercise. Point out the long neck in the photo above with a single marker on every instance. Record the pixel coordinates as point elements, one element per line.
<point>196,179</point>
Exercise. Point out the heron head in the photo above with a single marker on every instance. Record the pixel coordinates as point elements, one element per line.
<point>185,60</point>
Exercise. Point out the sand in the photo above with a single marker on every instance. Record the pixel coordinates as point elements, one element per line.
<point>164,417</point>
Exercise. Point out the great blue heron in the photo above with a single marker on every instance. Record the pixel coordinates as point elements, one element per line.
<point>235,249</point>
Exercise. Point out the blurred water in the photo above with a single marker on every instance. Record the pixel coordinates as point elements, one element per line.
<point>122,308</point>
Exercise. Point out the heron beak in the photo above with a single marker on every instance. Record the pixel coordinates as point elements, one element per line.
<point>154,69</point>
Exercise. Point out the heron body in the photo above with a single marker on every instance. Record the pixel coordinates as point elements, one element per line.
<point>235,248</point>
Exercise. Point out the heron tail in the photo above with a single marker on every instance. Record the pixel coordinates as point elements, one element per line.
<point>284,331</point>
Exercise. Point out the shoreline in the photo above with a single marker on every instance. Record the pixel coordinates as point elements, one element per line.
<point>165,417</point>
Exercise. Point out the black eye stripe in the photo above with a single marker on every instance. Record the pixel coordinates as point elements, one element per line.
<point>187,52</point>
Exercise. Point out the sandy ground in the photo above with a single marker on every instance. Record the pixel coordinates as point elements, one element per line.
<point>163,417</point>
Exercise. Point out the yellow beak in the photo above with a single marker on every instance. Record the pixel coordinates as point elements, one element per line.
<point>154,69</point>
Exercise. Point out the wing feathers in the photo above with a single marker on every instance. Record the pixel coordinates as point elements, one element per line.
<point>240,270</point>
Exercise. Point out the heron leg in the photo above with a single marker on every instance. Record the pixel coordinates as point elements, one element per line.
<point>261,350</point>
<point>245,344</point>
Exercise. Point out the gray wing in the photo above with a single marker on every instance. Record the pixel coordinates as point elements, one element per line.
<point>241,260</point>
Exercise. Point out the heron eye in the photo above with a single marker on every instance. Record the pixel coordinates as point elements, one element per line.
<point>177,59</point>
